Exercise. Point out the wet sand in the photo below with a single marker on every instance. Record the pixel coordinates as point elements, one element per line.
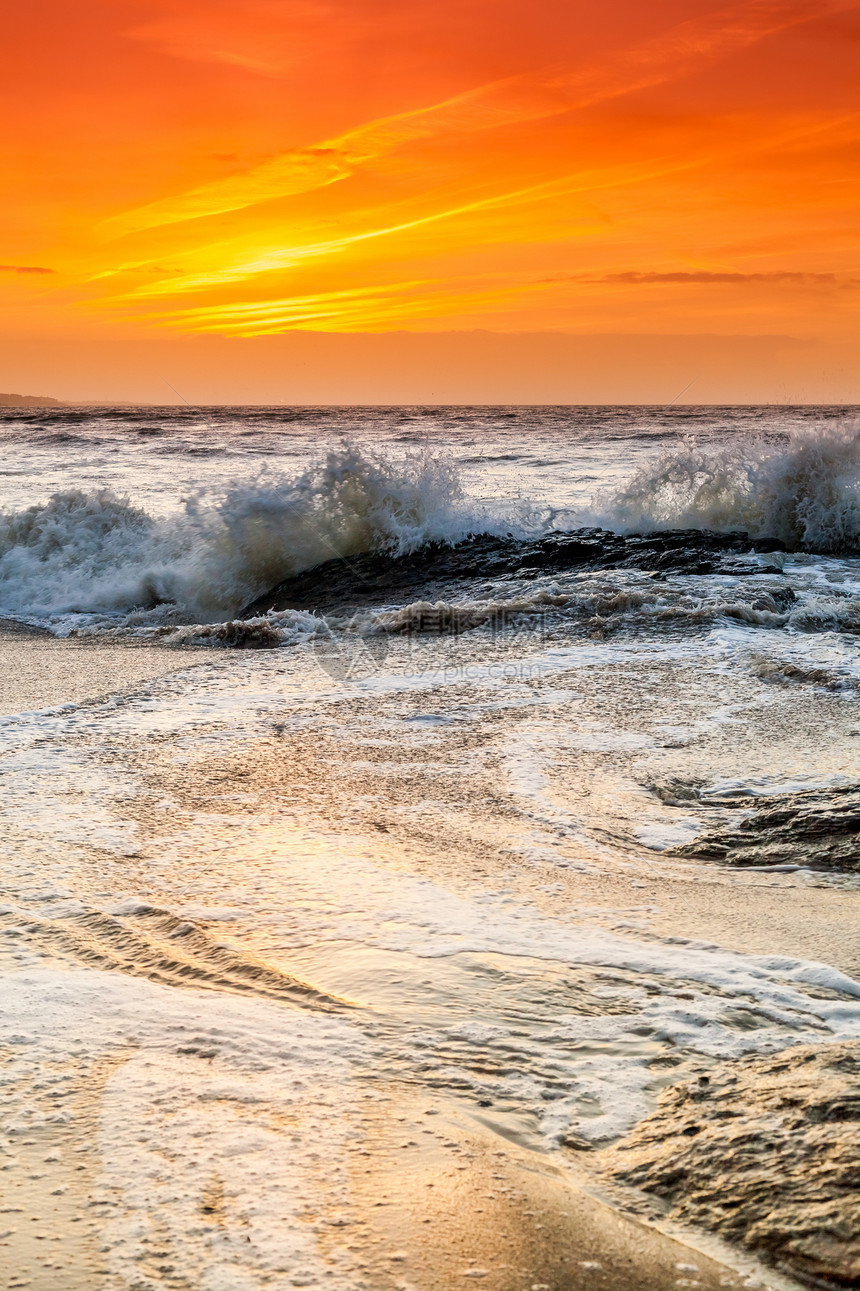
<point>447,1203</point>
<point>440,1199</point>
<point>463,842</point>
<point>40,671</point>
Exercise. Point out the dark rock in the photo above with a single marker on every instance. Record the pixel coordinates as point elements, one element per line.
<point>768,1155</point>
<point>815,828</point>
<point>440,570</point>
<point>577,1142</point>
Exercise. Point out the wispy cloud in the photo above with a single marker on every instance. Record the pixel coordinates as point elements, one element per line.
<point>671,55</point>
<point>257,36</point>
<point>633,278</point>
<point>257,318</point>
<point>352,309</point>
<point>383,305</point>
<point>223,265</point>
<point>24,268</point>
<point>278,258</point>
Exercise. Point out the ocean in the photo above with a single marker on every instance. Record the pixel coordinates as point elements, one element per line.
<point>496,768</point>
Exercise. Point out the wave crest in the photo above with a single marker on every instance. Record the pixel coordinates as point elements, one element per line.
<point>806,493</point>
<point>98,554</point>
<point>352,502</point>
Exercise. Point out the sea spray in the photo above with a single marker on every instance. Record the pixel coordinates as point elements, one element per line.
<point>805,492</point>
<point>96,561</point>
<point>353,501</point>
<point>98,554</point>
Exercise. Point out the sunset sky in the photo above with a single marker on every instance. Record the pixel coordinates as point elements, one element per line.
<point>177,171</point>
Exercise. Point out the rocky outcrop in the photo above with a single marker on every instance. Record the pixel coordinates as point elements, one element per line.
<point>766,1153</point>
<point>438,570</point>
<point>815,828</point>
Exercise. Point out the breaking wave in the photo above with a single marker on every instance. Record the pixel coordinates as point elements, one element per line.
<point>806,492</point>
<point>98,562</point>
<point>97,554</point>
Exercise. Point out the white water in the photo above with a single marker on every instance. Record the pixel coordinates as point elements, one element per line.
<point>805,492</point>
<point>99,559</point>
<point>98,553</point>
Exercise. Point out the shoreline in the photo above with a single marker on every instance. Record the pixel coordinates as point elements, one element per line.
<point>437,1200</point>
<point>563,1226</point>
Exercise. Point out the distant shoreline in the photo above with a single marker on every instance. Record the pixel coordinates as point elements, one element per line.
<point>45,401</point>
<point>30,401</point>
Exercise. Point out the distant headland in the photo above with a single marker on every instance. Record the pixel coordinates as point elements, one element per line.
<point>29,401</point>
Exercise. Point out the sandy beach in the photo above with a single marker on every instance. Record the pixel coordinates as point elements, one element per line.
<point>440,1191</point>
<point>38,671</point>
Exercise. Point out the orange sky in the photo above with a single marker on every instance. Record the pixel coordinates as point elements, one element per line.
<point>250,168</point>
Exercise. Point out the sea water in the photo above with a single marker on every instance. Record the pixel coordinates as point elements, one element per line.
<point>506,844</point>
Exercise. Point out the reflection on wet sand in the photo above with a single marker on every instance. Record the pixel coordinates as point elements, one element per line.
<point>370,970</point>
<point>448,1202</point>
<point>421,1196</point>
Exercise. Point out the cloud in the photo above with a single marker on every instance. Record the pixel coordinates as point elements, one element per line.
<point>672,54</point>
<point>281,257</point>
<point>376,308</point>
<point>24,268</point>
<point>633,278</point>
<point>256,37</point>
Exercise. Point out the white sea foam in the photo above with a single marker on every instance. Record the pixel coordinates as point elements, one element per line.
<point>806,492</point>
<point>97,561</point>
<point>99,555</point>
<point>314,899</point>
<point>607,607</point>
